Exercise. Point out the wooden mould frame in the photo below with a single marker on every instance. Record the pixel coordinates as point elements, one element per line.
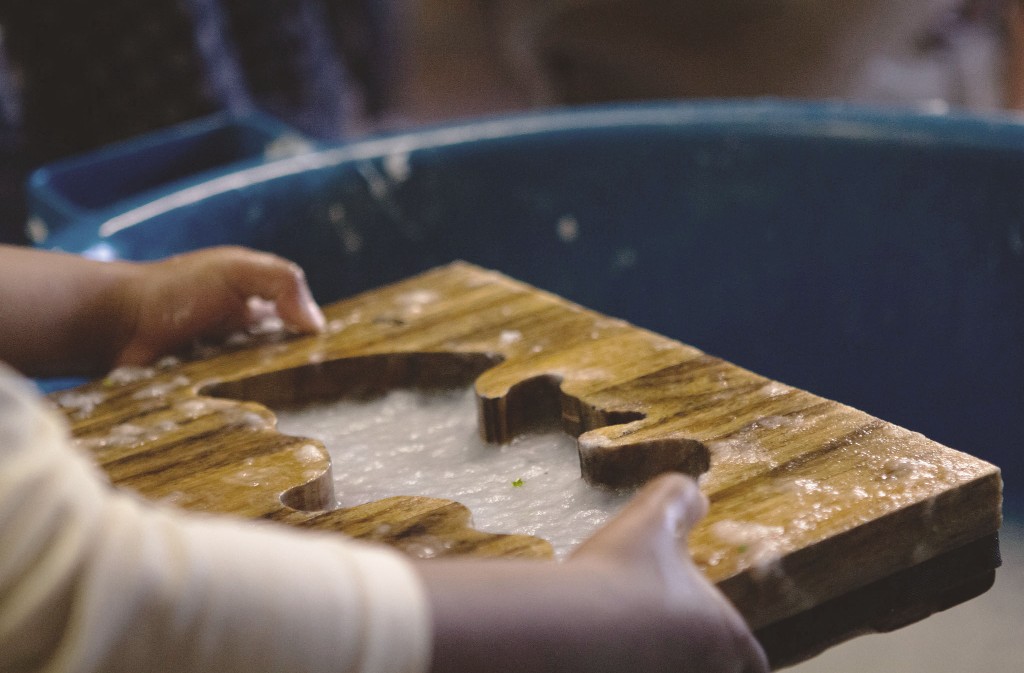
<point>903,526</point>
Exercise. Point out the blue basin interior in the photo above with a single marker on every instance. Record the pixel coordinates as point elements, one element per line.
<point>875,258</point>
<point>77,187</point>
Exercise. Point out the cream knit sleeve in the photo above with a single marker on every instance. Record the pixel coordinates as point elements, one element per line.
<point>92,579</point>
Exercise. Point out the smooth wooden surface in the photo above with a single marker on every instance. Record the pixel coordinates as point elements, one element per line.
<point>813,502</point>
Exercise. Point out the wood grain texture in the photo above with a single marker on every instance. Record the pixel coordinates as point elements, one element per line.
<point>812,501</point>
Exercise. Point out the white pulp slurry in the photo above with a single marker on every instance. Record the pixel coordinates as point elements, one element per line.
<point>412,443</point>
<point>568,229</point>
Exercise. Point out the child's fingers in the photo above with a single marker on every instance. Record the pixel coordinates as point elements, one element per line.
<point>295,304</point>
<point>666,508</point>
<point>671,502</point>
<point>251,273</point>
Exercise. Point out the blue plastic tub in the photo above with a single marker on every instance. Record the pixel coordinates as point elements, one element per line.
<point>872,257</point>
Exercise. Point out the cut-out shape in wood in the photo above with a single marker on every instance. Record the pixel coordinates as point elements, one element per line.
<point>824,521</point>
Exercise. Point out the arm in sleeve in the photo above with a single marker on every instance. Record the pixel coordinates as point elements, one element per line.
<point>92,579</point>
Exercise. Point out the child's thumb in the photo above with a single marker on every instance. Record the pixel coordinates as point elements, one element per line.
<point>666,508</point>
<point>671,501</point>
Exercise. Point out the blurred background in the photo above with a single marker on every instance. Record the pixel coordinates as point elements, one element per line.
<point>78,74</point>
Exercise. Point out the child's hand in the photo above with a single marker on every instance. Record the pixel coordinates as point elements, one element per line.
<point>66,315</point>
<point>644,555</point>
<point>206,294</point>
<point>629,599</point>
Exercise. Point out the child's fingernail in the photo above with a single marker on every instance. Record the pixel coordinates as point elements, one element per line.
<point>315,315</point>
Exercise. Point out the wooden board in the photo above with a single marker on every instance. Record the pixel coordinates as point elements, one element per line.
<point>824,521</point>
